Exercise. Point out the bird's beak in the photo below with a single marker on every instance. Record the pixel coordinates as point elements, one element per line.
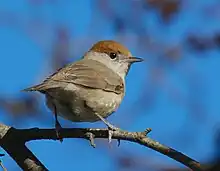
<point>133,59</point>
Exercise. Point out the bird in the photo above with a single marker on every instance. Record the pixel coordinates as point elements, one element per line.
<point>90,89</point>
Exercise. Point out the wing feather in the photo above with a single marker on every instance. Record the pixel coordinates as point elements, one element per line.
<point>88,73</point>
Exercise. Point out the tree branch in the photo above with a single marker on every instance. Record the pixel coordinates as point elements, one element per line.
<point>13,141</point>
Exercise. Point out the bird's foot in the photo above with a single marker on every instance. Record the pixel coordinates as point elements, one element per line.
<point>90,136</point>
<point>58,128</point>
<point>111,128</point>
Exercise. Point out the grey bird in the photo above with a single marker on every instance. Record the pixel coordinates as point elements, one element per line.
<point>91,88</point>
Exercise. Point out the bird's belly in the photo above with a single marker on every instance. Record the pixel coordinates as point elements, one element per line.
<point>82,107</point>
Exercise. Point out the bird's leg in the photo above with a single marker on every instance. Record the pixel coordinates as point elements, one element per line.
<point>111,127</point>
<point>57,125</point>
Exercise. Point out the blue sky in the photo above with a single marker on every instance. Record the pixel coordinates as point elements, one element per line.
<point>24,57</point>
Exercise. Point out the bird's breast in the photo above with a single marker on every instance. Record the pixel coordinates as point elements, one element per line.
<point>104,102</point>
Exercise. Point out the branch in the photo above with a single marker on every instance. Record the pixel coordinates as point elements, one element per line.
<point>13,142</point>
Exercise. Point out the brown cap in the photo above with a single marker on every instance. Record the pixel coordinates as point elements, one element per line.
<point>110,46</point>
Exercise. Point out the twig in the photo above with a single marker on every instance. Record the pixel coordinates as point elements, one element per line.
<point>21,136</point>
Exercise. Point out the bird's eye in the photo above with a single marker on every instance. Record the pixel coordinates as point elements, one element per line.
<point>113,55</point>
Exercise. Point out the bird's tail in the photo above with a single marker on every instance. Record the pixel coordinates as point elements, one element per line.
<point>38,87</point>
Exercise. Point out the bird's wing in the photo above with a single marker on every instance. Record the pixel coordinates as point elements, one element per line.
<point>87,73</point>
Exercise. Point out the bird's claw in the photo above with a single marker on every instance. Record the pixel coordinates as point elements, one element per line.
<point>90,136</point>
<point>111,129</point>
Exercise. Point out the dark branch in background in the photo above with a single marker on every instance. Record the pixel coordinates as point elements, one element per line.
<point>13,142</point>
<point>203,43</point>
<point>166,8</point>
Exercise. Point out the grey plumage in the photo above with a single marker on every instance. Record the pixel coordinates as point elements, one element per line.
<point>86,73</point>
<point>91,88</point>
<point>82,88</point>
